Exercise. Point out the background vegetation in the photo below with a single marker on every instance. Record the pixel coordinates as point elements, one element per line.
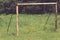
<point>31,27</point>
<point>8,6</point>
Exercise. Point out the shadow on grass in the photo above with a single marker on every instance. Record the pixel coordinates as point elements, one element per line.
<point>11,34</point>
<point>9,23</point>
<point>46,22</point>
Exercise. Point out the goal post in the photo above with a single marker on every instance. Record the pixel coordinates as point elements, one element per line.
<point>26,4</point>
<point>17,20</point>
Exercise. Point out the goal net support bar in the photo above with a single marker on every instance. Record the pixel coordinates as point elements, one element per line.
<point>27,4</point>
<point>36,3</point>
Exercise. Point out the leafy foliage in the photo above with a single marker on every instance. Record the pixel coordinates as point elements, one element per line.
<point>8,6</point>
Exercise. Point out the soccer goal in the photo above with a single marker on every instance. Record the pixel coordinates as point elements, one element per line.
<point>35,4</point>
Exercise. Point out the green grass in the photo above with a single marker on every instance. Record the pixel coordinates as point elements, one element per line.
<point>31,27</point>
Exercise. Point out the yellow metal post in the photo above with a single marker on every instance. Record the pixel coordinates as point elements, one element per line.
<point>17,20</point>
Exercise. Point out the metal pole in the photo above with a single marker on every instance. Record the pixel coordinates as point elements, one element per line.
<point>17,20</point>
<point>56,17</point>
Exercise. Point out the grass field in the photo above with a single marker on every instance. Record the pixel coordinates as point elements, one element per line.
<point>31,27</point>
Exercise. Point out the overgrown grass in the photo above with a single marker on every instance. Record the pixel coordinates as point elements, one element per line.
<point>31,27</point>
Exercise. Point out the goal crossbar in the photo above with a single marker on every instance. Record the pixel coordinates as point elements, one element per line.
<point>37,3</point>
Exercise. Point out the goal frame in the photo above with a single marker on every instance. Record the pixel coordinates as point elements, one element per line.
<point>35,4</point>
